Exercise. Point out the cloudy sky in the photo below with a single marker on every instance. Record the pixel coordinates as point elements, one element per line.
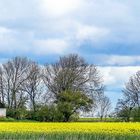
<point>104,32</point>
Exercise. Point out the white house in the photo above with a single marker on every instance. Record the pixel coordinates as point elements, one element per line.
<point>2,110</point>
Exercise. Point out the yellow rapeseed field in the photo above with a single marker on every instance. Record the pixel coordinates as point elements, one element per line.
<point>96,128</point>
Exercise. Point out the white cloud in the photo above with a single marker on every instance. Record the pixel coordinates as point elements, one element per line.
<point>79,32</point>
<point>58,8</point>
<point>4,30</point>
<point>18,10</point>
<point>13,41</point>
<point>92,33</point>
<point>6,38</point>
<point>121,60</point>
<point>5,34</point>
<point>116,77</point>
<point>50,46</point>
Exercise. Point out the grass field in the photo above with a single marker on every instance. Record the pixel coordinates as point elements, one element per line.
<point>70,131</point>
<point>98,120</point>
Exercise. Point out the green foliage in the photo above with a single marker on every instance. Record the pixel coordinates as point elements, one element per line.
<point>45,114</point>
<point>69,103</point>
<point>128,114</point>
<point>42,114</point>
<point>8,119</point>
<point>17,113</point>
<point>136,114</point>
<point>124,114</point>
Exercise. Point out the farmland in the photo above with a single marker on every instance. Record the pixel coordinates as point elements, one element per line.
<point>70,131</point>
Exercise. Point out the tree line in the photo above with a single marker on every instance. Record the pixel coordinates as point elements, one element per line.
<point>50,92</point>
<point>60,91</point>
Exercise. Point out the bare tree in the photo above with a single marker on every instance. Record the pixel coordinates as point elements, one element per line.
<point>71,72</point>
<point>131,97</point>
<point>103,105</point>
<point>132,90</point>
<point>33,85</point>
<point>14,74</point>
<point>2,94</point>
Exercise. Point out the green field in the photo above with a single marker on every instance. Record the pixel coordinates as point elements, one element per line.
<point>98,120</point>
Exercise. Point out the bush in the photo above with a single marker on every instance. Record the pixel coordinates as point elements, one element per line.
<point>4,119</point>
<point>48,113</point>
<point>136,115</point>
<point>16,113</point>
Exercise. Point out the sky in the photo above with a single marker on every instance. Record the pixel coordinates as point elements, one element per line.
<point>104,32</point>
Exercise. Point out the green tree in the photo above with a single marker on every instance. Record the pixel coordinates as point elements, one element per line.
<point>136,114</point>
<point>70,103</point>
